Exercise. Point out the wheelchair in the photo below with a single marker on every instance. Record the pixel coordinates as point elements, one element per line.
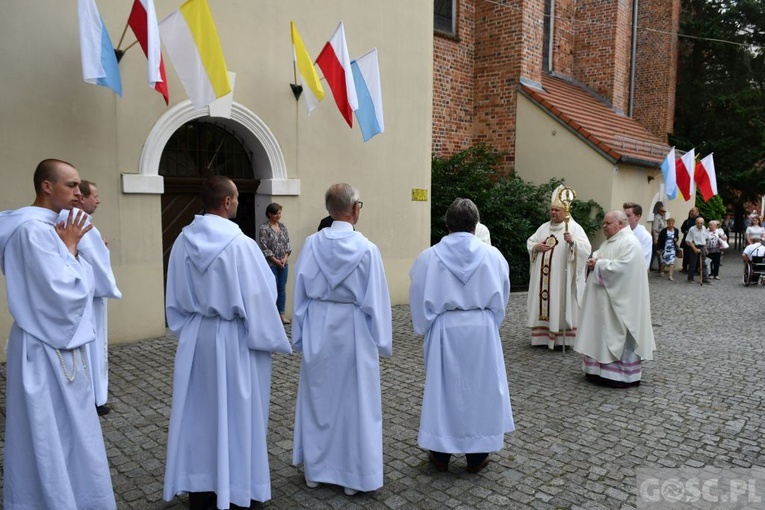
<point>754,271</point>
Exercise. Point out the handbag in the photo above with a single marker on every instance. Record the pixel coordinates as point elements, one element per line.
<point>679,253</point>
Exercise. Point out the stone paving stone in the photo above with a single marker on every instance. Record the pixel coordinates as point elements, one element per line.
<point>576,446</point>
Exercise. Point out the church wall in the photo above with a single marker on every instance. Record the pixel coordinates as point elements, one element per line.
<point>50,112</point>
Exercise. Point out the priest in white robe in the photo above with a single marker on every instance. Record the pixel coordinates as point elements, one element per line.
<point>220,304</point>
<point>93,248</point>
<point>615,333</point>
<point>54,449</point>
<point>458,296</point>
<point>342,324</point>
<point>556,278</point>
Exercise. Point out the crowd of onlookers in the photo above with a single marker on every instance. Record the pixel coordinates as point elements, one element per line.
<point>700,247</point>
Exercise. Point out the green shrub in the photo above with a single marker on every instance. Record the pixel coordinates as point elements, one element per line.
<point>510,207</point>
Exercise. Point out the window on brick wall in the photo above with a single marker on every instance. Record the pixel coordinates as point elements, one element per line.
<point>444,16</point>
<point>547,40</point>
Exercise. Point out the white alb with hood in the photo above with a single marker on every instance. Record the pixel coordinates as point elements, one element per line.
<point>341,323</point>
<point>93,249</point>
<point>221,303</point>
<point>54,448</point>
<point>458,295</point>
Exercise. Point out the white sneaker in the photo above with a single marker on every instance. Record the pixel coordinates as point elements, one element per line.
<point>310,484</point>
<point>349,491</point>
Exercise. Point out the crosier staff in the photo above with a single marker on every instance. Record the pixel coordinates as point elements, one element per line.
<point>566,195</point>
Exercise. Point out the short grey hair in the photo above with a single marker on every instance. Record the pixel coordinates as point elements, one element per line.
<point>340,198</point>
<point>462,216</point>
<point>620,216</point>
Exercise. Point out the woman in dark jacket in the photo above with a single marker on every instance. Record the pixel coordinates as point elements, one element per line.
<point>669,246</point>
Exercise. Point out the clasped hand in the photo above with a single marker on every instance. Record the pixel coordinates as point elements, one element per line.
<point>73,229</point>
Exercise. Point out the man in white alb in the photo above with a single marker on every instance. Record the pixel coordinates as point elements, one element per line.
<point>615,333</point>
<point>634,212</point>
<point>556,279</point>
<point>342,324</point>
<point>458,298</point>
<point>54,449</point>
<point>93,249</point>
<point>220,304</point>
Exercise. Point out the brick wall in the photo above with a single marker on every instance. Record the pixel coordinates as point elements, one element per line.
<point>453,78</point>
<point>563,38</point>
<point>602,48</point>
<point>476,74</point>
<point>656,69</point>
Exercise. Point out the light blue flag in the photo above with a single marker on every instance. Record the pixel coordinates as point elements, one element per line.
<point>668,171</point>
<point>366,75</point>
<point>113,79</point>
<point>99,62</point>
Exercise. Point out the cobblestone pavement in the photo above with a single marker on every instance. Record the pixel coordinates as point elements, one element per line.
<point>576,445</point>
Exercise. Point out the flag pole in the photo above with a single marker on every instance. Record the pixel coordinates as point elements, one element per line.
<point>296,88</point>
<point>117,51</point>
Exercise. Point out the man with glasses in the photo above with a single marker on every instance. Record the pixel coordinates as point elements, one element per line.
<point>342,324</point>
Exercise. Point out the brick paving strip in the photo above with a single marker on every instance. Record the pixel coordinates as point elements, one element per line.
<point>576,445</point>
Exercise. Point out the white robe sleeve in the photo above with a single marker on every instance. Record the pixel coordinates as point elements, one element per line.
<point>51,288</point>
<point>376,305</point>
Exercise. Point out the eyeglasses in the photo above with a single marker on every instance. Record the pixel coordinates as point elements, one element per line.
<point>361,204</point>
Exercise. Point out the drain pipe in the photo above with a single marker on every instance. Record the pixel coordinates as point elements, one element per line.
<point>633,57</point>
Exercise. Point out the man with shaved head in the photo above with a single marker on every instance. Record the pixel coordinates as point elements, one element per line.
<point>220,304</point>
<point>54,448</point>
<point>615,333</point>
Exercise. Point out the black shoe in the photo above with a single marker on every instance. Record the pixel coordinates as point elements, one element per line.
<point>440,466</point>
<point>708,282</point>
<point>102,410</point>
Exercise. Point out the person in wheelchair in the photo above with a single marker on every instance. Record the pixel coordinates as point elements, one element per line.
<point>754,261</point>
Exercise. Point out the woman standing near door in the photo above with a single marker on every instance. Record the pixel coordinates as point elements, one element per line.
<point>275,244</point>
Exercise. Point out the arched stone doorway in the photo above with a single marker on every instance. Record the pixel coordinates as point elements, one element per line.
<point>268,167</point>
<point>197,150</point>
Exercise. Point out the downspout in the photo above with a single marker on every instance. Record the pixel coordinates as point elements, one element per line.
<point>550,49</point>
<point>633,57</point>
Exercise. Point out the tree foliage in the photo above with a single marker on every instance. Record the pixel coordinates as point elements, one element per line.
<point>510,207</point>
<point>712,210</point>
<point>720,101</point>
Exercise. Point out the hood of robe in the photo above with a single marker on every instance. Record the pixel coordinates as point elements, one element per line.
<point>462,253</point>
<point>11,220</point>
<point>338,251</point>
<point>207,236</point>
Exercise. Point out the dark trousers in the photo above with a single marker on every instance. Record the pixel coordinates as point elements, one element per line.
<point>473,459</point>
<point>694,261</point>
<point>208,501</point>
<point>687,254</point>
<point>715,258</point>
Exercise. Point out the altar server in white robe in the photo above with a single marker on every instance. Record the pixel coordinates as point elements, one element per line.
<point>342,324</point>
<point>556,283</point>
<point>220,304</point>
<point>93,248</point>
<point>54,449</point>
<point>458,296</point>
<point>615,333</point>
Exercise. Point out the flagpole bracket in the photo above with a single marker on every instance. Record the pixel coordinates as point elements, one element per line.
<point>119,54</point>
<point>297,90</point>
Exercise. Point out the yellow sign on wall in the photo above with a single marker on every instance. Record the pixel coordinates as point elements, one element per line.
<point>419,195</point>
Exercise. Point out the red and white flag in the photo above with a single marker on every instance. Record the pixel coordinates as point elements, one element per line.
<point>705,177</point>
<point>335,63</point>
<point>143,22</point>
<point>684,170</point>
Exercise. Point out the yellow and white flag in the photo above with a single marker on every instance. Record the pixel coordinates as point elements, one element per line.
<point>192,44</point>
<point>313,90</point>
